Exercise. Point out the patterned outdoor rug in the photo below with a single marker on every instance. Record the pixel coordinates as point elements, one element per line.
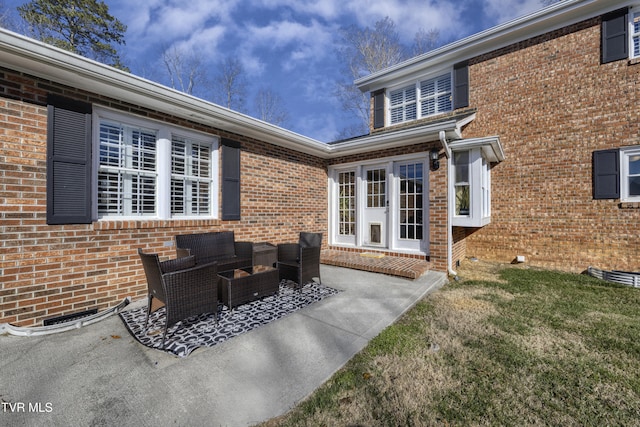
<point>202,331</point>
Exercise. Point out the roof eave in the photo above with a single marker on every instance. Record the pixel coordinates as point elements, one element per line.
<point>400,138</point>
<point>38,59</point>
<point>539,22</point>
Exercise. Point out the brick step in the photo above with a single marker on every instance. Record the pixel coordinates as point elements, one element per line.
<point>376,262</point>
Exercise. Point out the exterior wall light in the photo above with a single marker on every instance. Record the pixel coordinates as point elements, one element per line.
<point>434,155</point>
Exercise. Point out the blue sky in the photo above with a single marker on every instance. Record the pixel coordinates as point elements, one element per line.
<point>288,46</point>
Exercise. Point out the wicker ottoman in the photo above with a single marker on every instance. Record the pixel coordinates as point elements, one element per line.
<point>240,286</point>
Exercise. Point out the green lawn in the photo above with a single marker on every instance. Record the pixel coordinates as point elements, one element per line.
<point>530,347</point>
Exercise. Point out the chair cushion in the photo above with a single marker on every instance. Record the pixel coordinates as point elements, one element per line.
<point>178,264</point>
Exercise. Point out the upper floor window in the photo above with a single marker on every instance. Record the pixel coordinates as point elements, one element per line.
<point>634,27</point>
<point>403,104</point>
<point>422,99</point>
<point>148,169</point>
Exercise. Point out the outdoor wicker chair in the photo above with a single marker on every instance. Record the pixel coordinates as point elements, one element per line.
<point>300,262</point>
<point>185,289</point>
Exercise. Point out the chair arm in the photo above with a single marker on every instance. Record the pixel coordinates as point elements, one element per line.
<point>181,263</point>
<point>288,252</point>
<point>187,279</point>
<point>244,249</point>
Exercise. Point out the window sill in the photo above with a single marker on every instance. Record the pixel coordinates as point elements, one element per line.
<point>629,205</point>
<point>634,61</point>
<point>152,224</point>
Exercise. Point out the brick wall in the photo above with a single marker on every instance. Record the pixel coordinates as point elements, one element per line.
<point>47,271</point>
<point>552,103</point>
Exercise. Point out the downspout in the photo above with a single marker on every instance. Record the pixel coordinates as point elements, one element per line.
<point>447,152</point>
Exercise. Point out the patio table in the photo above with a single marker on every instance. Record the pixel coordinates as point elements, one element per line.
<point>240,286</point>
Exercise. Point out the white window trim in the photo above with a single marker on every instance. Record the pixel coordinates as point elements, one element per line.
<point>479,181</point>
<point>632,11</point>
<point>163,166</point>
<point>625,153</point>
<point>419,97</point>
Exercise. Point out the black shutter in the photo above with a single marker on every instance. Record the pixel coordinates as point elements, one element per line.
<point>68,161</point>
<point>615,44</point>
<point>461,85</point>
<point>378,109</point>
<point>230,180</point>
<point>606,174</point>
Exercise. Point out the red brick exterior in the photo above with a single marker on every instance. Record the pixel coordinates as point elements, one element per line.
<point>553,103</point>
<point>50,270</point>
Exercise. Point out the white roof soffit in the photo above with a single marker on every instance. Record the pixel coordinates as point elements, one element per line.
<point>398,138</point>
<point>544,20</point>
<point>490,145</point>
<point>39,59</point>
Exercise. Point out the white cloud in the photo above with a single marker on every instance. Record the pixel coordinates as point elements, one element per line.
<point>409,15</point>
<point>326,9</point>
<point>298,43</point>
<point>505,10</point>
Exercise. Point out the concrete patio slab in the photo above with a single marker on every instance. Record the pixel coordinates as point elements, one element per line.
<point>99,375</point>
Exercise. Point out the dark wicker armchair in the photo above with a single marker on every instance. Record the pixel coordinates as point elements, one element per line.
<point>300,262</point>
<point>185,289</point>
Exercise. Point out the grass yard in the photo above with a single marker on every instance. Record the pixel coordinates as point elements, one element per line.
<point>506,346</point>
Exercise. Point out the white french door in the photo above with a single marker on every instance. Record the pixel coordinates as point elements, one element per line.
<point>375,216</point>
<point>382,205</point>
<point>409,219</point>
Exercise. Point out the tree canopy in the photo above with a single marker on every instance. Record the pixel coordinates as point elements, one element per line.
<point>84,27</point>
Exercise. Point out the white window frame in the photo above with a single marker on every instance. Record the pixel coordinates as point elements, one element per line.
<point>408,106</point>
<point>191,178</point>
<point>415,102</point>
<point>479,191</point>
<point>625,155</point>
<point>164,134</point>
<point>634,32</point>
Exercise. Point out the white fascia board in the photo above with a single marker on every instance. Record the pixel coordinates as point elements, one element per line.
<point>490,145</point>
<point>404,137</point>
<point>550,18</point>
<point>39,59</point>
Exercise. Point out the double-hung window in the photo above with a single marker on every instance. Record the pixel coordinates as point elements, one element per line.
<point>127,177</point>
<point>149,169</point>
<point>190,177</point>
<point>422,99</point>
<point>403,104</point>
<point>435,95</point>
<point>471,188</point>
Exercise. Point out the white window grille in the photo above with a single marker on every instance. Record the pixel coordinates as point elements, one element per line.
<point>435,95</point>
<point>190,177</point>
<point>403,104</point>
<point>127,171</point>
<point>635,34</point>
<point>422,99</point>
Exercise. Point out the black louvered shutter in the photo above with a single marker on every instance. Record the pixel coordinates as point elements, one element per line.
<point>230,180</point>
<point>615,44</point>
<point>68,161</point>
<point>461,85</point>
<point>606,174</point>
<point>378,109</point>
